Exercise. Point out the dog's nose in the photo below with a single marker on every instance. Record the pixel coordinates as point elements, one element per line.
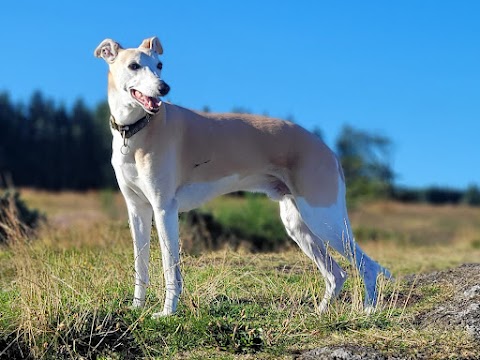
<point>163,88</point>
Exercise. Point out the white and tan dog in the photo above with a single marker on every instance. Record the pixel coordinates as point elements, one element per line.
<point>168,159</point>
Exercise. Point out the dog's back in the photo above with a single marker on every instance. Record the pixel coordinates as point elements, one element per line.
<point>214,146</point>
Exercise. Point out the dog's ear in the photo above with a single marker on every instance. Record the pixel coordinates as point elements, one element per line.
<point>153,44</point>
<point>108,50</point>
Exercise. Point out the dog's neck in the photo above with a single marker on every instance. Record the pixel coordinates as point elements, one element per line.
<point>124,113</point>
<point>127,131</point>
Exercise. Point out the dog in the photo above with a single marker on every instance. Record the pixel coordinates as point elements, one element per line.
<point>168,159</point>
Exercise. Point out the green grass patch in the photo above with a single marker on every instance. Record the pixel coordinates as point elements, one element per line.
<point>252,217</point>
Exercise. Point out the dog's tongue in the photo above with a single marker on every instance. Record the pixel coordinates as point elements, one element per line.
<point>150,103</point>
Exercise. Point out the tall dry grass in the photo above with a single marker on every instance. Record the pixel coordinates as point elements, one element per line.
<point>61,283</point>
<point>68,294</point>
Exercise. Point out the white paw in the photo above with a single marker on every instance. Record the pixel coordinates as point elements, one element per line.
<point>369,309</point>
<point>322,307</point>
<point>138,303</point>
<point>157,315</point>
<point>161,314</point>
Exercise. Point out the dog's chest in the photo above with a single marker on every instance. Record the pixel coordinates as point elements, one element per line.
<point>128,173</point>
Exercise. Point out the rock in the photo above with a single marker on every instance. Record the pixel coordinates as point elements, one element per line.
<point>472,292</point>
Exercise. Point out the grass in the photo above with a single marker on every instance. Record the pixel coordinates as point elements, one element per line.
<point>250,216</point>
<point>68,293</point>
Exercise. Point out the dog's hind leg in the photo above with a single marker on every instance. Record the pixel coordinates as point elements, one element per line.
<point>314,248</point>
<point>331,224</point>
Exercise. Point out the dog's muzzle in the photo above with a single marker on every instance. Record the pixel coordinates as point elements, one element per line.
<point>164,89</point>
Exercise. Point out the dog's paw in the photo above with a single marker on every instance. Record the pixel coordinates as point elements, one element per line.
<point>388,275</point>
<point>157,315</point>
<point>161,314</point>
<point>138,303</point>
<point>322,307</point>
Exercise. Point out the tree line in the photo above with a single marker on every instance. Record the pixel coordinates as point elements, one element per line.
<point>45,145</point>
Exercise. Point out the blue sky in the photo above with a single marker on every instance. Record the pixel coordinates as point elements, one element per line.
<point>409,70</point>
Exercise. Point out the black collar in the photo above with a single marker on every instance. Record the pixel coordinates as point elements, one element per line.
<point>128,131</point>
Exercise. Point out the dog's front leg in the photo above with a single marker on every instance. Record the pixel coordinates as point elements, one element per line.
<point>166,220</point>
<point>140,216</point>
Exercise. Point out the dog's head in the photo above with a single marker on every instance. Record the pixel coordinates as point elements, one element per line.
<point>134,75</point>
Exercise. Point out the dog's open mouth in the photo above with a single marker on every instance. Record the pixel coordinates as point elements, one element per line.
<point>150,104</point>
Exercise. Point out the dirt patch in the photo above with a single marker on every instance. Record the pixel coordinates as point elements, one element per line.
<point>346,352</point>
<point>459,310</point>
<point>462,309</point>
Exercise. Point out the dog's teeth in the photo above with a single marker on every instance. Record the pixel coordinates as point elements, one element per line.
<point>147,101</point>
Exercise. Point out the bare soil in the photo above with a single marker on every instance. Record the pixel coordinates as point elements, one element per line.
<point>459,311</point>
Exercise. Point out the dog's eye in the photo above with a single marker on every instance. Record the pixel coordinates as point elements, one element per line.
<point>134,66</point>
<point>159,66</point>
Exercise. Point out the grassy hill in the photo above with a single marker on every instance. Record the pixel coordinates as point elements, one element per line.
<point>67,293</point>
